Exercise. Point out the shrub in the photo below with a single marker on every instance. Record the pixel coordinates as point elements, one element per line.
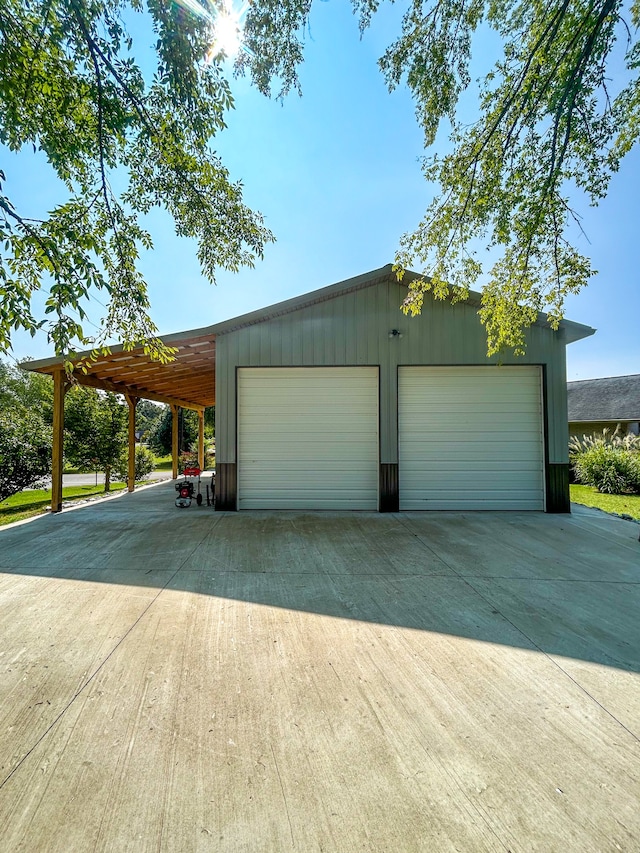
<point>144,465</point>
<point>612,470</point>
<point>617,440</point>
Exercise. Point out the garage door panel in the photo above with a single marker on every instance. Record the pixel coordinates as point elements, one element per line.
<point>462,439</point>
<point>464,466</point>
<point>464,493</point>
<point>332,502</point>
<point>301,452</point>
<point>280,478</point>
<point>481,504</point>
<point>470,438</point>
<point>474,478</point>
<point>472,452</point>
<point>308,438</point>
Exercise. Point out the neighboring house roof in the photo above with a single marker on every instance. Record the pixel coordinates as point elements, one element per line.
<point>616,398</point>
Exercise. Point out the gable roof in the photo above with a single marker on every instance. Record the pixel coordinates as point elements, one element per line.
<point>189,381</point>
<point>616,398</point>
<point>572,331</point>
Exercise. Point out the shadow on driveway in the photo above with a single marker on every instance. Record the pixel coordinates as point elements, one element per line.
<point>563,585</point>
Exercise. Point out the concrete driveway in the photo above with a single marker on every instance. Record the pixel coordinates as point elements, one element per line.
<point>181,680</point>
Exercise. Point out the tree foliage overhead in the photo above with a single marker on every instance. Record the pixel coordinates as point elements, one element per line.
<point>71,86</point>
<point>551,122</point>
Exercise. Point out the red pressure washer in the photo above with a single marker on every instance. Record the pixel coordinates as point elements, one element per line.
<point>185,488</point>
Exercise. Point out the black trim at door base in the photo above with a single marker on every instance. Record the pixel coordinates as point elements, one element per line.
<point>389,487</point>
<point>558,499</point>
<point>226,486</point>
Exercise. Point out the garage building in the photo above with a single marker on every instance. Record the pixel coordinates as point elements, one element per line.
<point>336,400</point>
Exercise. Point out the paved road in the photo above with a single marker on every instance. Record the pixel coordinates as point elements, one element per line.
<point>91,479</point>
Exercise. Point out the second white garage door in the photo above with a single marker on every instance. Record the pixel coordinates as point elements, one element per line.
<point>470,438</point>
<point>308,438</point>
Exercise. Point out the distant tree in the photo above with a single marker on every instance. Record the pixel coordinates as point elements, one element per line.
<point>32,391</point>
<point>96,427</point>
<point>148,415</point>
<point>25,450</point>
<point>210,421</point>
<point>160,438</point>
<point>144,465</point>
<point>25,430</point>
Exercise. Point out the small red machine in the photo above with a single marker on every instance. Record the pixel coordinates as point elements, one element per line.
<point>186,487</point>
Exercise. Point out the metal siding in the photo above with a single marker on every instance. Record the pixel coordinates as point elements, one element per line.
<point>225,387</point>
<point>308,438</point>
<point>470,438</point>
<point>557,403</point>
<point>355,328</point>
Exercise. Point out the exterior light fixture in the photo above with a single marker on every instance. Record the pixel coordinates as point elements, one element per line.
<point>395,333</point>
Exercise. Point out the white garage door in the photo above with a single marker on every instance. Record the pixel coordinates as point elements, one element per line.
<point>470,438</point>
<point>308,438</point>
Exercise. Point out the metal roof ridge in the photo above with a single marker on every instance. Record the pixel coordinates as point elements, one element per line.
<point>573,331</point>
<point>304,300</point>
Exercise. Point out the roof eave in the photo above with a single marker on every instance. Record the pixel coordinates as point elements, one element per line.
<point>45,365</point>
<point>573,331</point>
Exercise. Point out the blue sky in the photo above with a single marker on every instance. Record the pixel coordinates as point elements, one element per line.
<point>337,175</point>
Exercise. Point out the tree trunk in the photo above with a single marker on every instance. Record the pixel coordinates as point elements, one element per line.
<point>107,478</point>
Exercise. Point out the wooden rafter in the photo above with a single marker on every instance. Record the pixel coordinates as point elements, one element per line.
<point>188,381</point>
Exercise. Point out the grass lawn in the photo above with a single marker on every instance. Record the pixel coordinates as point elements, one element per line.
<point>163,463</point>
<point>35,501</point>
<point>620,504</point>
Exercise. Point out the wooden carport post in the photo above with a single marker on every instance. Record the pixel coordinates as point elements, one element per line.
<point>60,386</point>
<point>201,439</point>
<point>132,402</point>
<point>174,441</point>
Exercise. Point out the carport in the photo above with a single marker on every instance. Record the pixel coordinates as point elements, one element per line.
<point>187,382</point>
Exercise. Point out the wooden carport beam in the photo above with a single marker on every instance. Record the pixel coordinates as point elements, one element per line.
<point>174,441</point>
<point>132,402</point>
<point>60,386</point>
<point>141,393</point>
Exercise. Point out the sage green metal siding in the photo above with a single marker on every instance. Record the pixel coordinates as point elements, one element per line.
<point>353,329</point>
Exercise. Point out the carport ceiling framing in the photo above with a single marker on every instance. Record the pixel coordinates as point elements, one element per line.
<point>187,381</point>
